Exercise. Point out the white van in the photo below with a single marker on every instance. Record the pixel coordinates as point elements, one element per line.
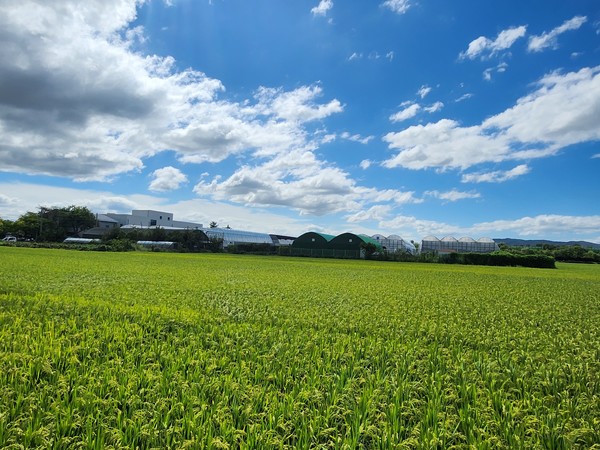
<point>10,239</point>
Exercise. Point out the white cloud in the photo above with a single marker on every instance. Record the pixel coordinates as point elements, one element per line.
<point>299,181</point>
<point>463,97</point>
<point>597,155</point>
<point>5,201</point>
<point>29,197</point>
<point>297,106</point>
<point>497,176</point>
<point>437,106</point>
<point>322,8</point>
<point>397,6</point>
<point>167,179</point>
<point>407,113</point>
<point>355,56</point>
<point>78,102</point>
<point>549,39</point>
<point>453,195</point>
<point>444,144</point>
<point>390,55</point>
<point>356,138</point>
<point>500,68</point>
<point>562,111</point>
<point>484,47</point>
<point>377,212</point>
<point>545,226</point>
<point>366,163</point>
<point>423,91</point>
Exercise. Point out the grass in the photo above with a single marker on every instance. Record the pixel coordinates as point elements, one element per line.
<point>145,350</point>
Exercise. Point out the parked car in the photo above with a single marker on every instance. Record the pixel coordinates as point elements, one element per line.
<point>9,239</point>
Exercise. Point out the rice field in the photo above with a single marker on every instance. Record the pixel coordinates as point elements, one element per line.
<point>155,350</point>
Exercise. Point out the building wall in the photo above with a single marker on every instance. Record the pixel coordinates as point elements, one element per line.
<point>151,218</point>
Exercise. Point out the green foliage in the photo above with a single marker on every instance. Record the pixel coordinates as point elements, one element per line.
<point>146,350</point>
<point>566,253</point>
<point>501,258</point>
<point>253,249</point>
<point>53,224</point>
<point>6,227</point>
<point>369,249</point>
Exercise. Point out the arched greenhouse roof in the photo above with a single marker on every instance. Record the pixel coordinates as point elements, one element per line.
<point>312,239</point>
<point>231,236</point>
<point>449,239</point>
<point>351,241</point>
<point>396,238</point>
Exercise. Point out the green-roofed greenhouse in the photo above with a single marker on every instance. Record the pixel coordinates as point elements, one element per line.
<point>312,244</point>
<point>345,245</point>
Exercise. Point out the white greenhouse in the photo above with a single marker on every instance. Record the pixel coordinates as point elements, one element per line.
<point>395,243</point>
<point>449,244</point>
<point>235,237</point>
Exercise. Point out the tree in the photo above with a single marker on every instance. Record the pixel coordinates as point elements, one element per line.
<point>213,224</point>
<point>54,224</point>
<point>77,219</point>
<point>6,227</point>
<point>369,248</point>
<point>29,226</point>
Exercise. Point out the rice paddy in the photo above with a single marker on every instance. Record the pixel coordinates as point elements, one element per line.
<point>155,350</point>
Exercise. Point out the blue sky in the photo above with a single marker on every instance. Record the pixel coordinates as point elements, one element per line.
<point>407,117</point>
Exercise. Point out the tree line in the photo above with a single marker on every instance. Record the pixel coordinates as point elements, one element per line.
<point>49,224</point>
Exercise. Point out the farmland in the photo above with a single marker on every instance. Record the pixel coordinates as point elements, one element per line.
<point>151,350</point>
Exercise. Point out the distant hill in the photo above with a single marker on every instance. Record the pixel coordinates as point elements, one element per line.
<point>534,242</point>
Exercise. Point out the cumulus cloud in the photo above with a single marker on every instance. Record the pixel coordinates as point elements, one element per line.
<point>549,39</point>
<point>79,102</point>
<point>300,181</point>
<point>561,111</point>
<point>366,163</point>
<point>322,8</point>
<point>397,6</point>
<point>497,176</point>
<point>167,179</point>
<point>453,195</point>
<point>484,47</point>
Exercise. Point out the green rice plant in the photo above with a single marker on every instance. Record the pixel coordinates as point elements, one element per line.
<point>147,350</point>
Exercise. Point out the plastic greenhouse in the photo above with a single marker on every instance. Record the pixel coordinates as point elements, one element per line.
<point>233,237</point>
<point>394,243</point>
<point>450,244</point>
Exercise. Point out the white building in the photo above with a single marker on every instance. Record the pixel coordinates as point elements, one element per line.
<point>145,218</point>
